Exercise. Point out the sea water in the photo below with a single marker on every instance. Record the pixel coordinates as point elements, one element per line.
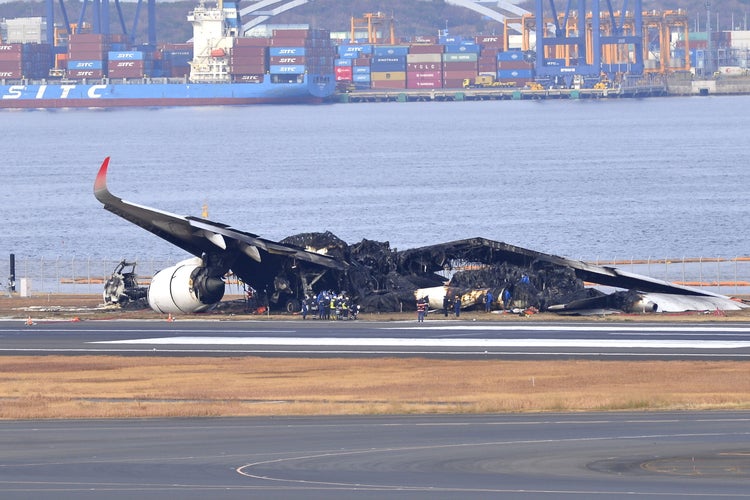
<point>588,179</point>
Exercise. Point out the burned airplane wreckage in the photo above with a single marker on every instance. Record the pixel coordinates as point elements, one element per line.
<point>381,279</point>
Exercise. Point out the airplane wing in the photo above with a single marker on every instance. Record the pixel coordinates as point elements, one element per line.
<point>241,250</point>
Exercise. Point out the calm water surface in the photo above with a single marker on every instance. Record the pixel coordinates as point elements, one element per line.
<point>660,177</point>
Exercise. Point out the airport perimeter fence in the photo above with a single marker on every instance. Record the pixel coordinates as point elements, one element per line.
<point>82,275</point>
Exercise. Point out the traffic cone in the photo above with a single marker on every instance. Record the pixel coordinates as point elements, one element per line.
<point>170,318</point>
<point>29,321</point>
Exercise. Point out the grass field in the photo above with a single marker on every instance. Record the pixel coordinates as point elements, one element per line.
<point>130,387</point>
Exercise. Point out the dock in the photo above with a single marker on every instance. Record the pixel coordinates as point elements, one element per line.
<point>495,94</point>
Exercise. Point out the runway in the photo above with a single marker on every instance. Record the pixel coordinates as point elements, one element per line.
<point>446,339</point>
<point>592,455</point>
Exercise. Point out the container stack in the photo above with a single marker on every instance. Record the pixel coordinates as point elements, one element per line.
<point>459,60</point>
<point>175,59</point>
<point>388,67</point>
<point>424,66</point>
<point>353,65</point>
<point>128,64</point>
<point>249,59</point>
<point>512,68</point>
<point>86,56</point>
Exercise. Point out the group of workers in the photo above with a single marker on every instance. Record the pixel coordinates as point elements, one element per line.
<point>329,305</point>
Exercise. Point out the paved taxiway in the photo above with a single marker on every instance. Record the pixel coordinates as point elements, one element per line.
<point>582,456</point>
<point>454,339</point>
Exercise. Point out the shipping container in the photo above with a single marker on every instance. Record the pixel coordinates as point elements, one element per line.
<point>130,55</point>
<point>287,60</point>
<point>286,51</point>
<point>361,78</point>
<point>355,49</point>
<point>460,66</point>
<point>514,65</point>
<point>251,42</point>
<point>277,69</point>
<point>391,50</point>
<point>426,49</point>
<point>489,41</point>
<point>388,84</point>
<point>434,66</point>
<point>510,55</point>
<point>463,49</point>
<point>361,70</point>
<point>424,58</point>
<point>343,62</point>
<point>85,65</point>
<point>453,57</point>
<point>515,74</point>
<point>343,73</point>
<point>248,78</point>
<point>80,74</point>
<point>388,75</point>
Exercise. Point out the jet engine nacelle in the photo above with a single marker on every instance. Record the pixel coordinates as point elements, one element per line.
<point>186,287</point>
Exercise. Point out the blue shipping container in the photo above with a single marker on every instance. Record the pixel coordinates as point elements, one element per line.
<point>287,69</point>
<point>286,51</point>
<point>128,55</point>
<point>459,49</point>
<point>507,74</point>
<point>342,62</point>
<point>391,50</point>
<point>358,49</point>
<point>85,65</point>
<point>361,78</point>
<point>361,70</point>
<point>511,55</point>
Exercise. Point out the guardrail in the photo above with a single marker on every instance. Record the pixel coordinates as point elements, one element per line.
<point>85,275</point>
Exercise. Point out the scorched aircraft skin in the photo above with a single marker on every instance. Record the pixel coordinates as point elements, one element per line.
<point>379,278</point>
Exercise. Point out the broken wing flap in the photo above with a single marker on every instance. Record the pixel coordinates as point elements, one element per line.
<point>251,241</point>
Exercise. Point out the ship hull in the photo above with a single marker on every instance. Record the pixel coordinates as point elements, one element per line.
<point>118,95</point>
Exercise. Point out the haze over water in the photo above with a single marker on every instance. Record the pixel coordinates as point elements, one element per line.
<point>658,177</point>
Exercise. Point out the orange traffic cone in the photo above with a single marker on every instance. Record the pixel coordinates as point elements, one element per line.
<point>29,321</point>
<point>170,318</point>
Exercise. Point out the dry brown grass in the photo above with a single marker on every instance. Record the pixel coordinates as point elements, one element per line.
<point>96,386</point>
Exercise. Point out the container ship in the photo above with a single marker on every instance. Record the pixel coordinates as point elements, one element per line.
<point>293,65</point>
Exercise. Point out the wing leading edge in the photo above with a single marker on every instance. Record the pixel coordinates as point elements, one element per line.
<point>201,236</point>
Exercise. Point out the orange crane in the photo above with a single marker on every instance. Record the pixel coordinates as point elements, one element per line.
<point>371,22</point>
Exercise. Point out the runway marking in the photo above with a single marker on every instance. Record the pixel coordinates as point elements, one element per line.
<point>437,343</point>
<point>575,328</point>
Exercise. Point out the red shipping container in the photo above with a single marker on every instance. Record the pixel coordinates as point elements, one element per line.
<point>245,61</point>
<point>12,74</point>
<point>343,72</point>
<point>287,42</point>
<point>242,51</point>
<point>487,67</point>
<point>10,52</point>
<point>455,75</point>
<point>10,65</point>
<point>86,38</point>
<point>291,33</point>
<point>361,61</point>
<point>79,74</point>
<point>426,49</point>
<point>460,66</point>
<point>416,75</point>
<point>424,84</point>
<point>287,60</point>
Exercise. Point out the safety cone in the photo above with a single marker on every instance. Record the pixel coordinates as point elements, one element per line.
<point>170,318</point>
<point>29,321</point>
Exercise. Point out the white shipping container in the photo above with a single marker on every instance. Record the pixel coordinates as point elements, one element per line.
<point>26,30</point>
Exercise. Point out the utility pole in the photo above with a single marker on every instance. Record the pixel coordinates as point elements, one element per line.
<point>708,65</point>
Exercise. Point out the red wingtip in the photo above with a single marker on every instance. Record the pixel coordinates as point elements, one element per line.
<point>101,178</point>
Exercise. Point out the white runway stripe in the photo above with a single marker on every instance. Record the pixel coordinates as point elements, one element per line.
<point>437,343</point>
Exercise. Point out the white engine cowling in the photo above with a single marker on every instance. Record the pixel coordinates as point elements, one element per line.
<point>185,287</point>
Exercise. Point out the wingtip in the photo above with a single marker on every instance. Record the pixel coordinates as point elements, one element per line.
<point>100,184</point>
